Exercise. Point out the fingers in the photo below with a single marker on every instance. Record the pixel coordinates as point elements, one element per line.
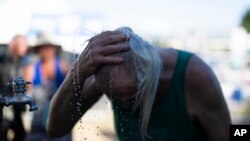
<point>109,38</point>
<point>100,47</point>
<point>113,49</point>
<point>112,60</point>
<point>105,33</point>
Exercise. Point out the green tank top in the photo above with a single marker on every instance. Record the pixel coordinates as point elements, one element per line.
<point>169,120</point>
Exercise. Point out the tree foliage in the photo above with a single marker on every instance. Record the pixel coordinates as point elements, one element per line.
<point>246,21</point>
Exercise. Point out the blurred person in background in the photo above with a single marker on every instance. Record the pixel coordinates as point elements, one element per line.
<point>158,94</point>
<point>46,74</point>
<point>13,64</point>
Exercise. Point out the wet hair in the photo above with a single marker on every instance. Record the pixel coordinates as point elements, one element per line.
<point>143,64</point>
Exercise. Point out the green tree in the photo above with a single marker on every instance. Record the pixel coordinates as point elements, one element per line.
<point>246,21</point>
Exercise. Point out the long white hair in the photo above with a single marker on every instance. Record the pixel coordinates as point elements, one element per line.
<point>147,66</point>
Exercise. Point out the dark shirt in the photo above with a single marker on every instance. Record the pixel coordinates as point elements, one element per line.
<point>169,120</point>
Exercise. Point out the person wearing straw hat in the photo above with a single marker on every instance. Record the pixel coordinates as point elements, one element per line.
<point>47,75</point>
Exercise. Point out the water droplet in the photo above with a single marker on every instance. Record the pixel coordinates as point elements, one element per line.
<point>79,104</point>
<point>122,130</point>
<point>97,127</point>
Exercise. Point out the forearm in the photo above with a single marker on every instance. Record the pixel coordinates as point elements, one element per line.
<point>63,113</point>
<point>65,102</point>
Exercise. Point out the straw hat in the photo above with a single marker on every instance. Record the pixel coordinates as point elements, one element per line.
<point>45,39</point>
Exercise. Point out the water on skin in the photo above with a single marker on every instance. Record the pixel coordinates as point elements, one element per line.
<point>76,84</point>
<point>76,87</point>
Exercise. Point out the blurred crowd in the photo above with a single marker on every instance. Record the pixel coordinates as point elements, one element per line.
<point>45,65</point>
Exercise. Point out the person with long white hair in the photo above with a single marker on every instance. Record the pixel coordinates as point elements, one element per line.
<point>158,94</point>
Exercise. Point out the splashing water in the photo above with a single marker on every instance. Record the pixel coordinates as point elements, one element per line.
<point>75,68</point>
<point>78,46</point>
<point>110,89</point>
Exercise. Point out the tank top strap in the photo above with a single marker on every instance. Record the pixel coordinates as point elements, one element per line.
<point>177,89</point>
<point>181,65</point>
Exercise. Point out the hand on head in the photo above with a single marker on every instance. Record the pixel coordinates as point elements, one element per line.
<point>100,49</point>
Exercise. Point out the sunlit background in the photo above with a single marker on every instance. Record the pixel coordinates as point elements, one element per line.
<point>210,28</point>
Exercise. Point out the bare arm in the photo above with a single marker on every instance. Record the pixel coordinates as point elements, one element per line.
<point>63,110</point>
<point>208,103</point>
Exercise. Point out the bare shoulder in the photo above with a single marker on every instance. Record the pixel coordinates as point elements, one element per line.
<point>198,73</point>
<point>205,100</point>
<point>168,57</point>
<point>201,82</point>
